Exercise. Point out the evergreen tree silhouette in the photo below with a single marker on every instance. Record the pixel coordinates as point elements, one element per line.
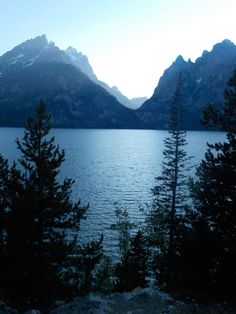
<point>165,219</point>
<point>132,270</point>
<point>214,194</point>
<point>42,244</point>
<point>3,222</point>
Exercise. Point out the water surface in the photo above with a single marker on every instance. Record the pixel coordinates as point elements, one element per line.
<point>111,166</point>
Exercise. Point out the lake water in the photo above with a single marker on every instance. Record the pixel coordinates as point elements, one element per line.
<point>111,166</point>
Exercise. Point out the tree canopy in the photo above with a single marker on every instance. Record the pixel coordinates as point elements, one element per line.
<point>44,259</point>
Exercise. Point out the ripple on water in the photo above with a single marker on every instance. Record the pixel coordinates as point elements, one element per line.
<point>111,166</point>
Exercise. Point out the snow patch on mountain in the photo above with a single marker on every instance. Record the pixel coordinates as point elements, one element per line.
<point>16,59</point>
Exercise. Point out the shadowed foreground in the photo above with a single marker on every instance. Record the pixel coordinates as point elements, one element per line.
<point>138,301</point>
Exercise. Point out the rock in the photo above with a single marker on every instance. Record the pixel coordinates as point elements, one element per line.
<point>139,291</point>
<point>139,311</point>
<point>84,305</point>
<point>138,301</point>
<point>96,296</point>
<point>165,297</point>
<point>5,309</point>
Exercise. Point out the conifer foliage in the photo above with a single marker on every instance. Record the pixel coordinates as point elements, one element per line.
<point>3,222</point>
<point>165,219</point>
<point>42,222</point>
<point>214,194</point>
<point>130,272</point>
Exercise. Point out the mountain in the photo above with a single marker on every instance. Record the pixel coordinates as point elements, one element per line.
<point>82,62</point>
<point>137,102</point>
<point>203,81</point>
<point>37,69</point>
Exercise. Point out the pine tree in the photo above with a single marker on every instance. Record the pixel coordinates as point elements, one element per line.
<point>123,226</point>
<point>137,259</point>
<point>214,194</point>
<point>165,219</point>
<point>89,255</point>
<point>42,244</point>
<point>3,222</point>
<point>3,199</point>
<point>104,276</point>
<point>131,271</point>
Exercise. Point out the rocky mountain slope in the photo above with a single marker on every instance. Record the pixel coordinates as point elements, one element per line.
<point>37,69</point>
<point>203,81</point>
<point>82,62</point>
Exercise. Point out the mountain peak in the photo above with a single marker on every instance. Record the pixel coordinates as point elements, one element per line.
<point>42,37</point>
<point>39,41</point>
<point>37,70</point>
<point>76,56</point>
<point>179,59</point>
<point>204,81</point>
<point>81,61</point>
<point>225,44</point>
<point>34,45</point>
<point>177,65</point>
<point>71,51</point>
<point>205,53</point>
<point>34,50</point>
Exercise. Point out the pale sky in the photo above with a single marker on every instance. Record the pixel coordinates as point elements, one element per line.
<point>129,43</point>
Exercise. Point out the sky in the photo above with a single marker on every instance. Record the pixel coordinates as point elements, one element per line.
<point>129,43</point>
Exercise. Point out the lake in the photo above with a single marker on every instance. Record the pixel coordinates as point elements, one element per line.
<point>111,166</point>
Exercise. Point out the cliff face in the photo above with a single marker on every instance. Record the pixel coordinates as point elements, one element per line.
<point>203,81</point>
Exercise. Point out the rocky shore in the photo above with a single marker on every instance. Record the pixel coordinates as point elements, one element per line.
<point>138,301</point>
